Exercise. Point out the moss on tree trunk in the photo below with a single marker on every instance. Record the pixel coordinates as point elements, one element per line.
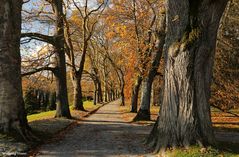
<point>190,42</point>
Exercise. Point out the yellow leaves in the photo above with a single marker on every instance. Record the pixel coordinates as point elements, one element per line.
<point>76,20</point>
<point>110,35</point>
<point>100,1</point>
<point>121,30</point>
<point>117,30</point>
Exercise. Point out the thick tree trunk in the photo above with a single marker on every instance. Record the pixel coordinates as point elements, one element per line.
<point>106,99</point>
<point>109,96</point>
<point>95,97</point>
<point>144,111</point>
<point>77,103</point>
<point>191,38</point>
<point>12,112</point>
<point>152,95</point>
<point>157,85</point>
<point>78,98</point>
<point>135,94</point>
<point>122,96</point>
<point>122,84</point>
<point>62,104</point>
<point>113,94</point>
<point>99,92</point>
<point>105,95</point>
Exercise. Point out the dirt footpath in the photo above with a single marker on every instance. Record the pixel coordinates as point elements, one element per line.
<point>104,134</point>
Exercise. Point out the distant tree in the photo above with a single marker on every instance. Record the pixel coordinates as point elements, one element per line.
<point>190,45</point>
<point>52,101</point>
<point>31,102</point>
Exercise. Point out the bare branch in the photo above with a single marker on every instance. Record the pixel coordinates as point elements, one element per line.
<point>40,37</point>
<point>39,70</point>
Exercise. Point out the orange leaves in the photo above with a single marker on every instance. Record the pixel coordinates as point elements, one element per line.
<point>110,35</point>
<point>128,28</point>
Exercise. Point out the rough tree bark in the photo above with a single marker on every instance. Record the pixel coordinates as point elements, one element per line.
<point>135,95</point>
<point>144,111</point>
<point>77,103</point>
<point>191,39</point>
<point>12,112</point>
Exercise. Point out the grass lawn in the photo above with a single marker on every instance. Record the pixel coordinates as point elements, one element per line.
<point>200,152</point>
<point>45,125</point>
<point>50,114</point>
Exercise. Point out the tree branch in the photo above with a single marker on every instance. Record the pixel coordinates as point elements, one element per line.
<point>38,70</point>
<point>40,37</point>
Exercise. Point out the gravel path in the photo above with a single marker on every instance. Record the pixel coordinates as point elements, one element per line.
<point>104,134</point>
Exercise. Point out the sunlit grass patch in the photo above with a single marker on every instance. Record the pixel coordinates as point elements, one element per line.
<point>46,126</point>
<point>88,105</point>
<point>41,116</point>
<point>196,151</point>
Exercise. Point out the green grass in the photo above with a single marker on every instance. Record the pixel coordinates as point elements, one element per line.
<point>200,152</point>
<point>50,114</point>
<point>40,116</point>
<point>87,105</point>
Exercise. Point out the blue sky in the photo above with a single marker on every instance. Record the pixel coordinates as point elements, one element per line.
<point>30,25</point>
<point>33,26</point>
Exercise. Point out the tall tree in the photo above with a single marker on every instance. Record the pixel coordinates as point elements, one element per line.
<point>190,42</point>
<point>12,113</point>
<point>85,16</point>
<point>62,104</point>
<point>59,71</point>
<point>156,54</point>
<point>95,63</point>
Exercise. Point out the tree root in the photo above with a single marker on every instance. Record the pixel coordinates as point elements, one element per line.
<point>27,134</point>
<point>142,115</point>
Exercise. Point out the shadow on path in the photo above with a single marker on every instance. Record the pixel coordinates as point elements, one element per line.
<point>104,134</point>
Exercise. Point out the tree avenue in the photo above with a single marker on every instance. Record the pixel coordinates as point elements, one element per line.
<point>95,52</point>
<point>190,46</point>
